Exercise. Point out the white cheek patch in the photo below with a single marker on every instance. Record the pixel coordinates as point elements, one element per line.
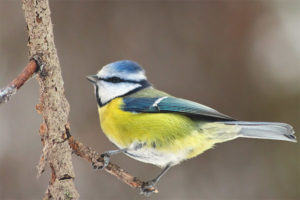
<point>108,91</point>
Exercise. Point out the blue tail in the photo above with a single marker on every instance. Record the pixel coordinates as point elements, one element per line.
<point>265,130</point>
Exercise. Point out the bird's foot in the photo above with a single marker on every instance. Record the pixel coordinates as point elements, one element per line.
<point>101,164</point>
<point>148,188</point>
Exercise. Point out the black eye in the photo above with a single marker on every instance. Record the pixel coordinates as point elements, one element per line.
<point>114,79</point>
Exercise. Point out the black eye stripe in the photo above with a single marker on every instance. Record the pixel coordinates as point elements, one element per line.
<point>114,79</point>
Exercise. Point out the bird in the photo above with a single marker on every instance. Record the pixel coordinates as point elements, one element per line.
<point>155,127</point>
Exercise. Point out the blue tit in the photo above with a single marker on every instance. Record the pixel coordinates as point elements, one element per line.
<point>154,127</point>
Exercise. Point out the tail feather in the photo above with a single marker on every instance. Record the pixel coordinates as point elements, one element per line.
<point>265,130</point>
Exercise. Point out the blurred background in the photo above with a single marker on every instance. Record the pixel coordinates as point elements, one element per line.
<point>239,57</point>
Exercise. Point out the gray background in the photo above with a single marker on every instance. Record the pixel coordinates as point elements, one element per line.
<point>240,57</point>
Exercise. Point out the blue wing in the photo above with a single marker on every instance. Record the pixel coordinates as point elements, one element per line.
<point>169,104</point>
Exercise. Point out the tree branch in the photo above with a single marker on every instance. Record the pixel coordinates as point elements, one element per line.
<point>54,130</point>
<point>90,155</point>
<point>53,105</point>
<point>78,148</point>
<point>11,89</point>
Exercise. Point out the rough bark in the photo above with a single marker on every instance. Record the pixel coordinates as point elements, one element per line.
<point>53,105</point>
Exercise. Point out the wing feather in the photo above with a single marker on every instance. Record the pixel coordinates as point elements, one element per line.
<point>169,104</point>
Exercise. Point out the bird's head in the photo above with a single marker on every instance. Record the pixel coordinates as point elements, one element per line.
<point>118,79</point>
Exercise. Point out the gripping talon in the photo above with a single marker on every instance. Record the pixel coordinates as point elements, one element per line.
<point>148,188</point>
<point>101,164</point>
<point>97,165</point>
<point>106,159</point>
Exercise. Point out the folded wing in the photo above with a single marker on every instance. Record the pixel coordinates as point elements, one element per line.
<point>169,104</point>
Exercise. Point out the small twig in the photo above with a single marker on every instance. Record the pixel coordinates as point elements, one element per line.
<point>90,155</point>
<point>29,70</point>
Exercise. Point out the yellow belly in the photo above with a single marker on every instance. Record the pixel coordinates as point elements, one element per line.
<point>167,133</point>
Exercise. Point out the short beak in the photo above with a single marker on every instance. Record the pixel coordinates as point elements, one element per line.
<point>92,78</point>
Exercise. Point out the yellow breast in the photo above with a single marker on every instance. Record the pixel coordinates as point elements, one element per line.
<point>168,132</point>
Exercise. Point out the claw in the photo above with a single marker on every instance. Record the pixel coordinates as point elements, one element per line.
<point>97,165</point>
<point>101,165</point>
<point>106,158</point>
<point>148,188</point>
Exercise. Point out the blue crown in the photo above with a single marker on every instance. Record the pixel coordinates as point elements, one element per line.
<point>124,69</point>
<point>126,66</point>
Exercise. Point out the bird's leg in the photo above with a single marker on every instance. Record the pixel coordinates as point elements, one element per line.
<point>106,157</point>
<point>147,188</point>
